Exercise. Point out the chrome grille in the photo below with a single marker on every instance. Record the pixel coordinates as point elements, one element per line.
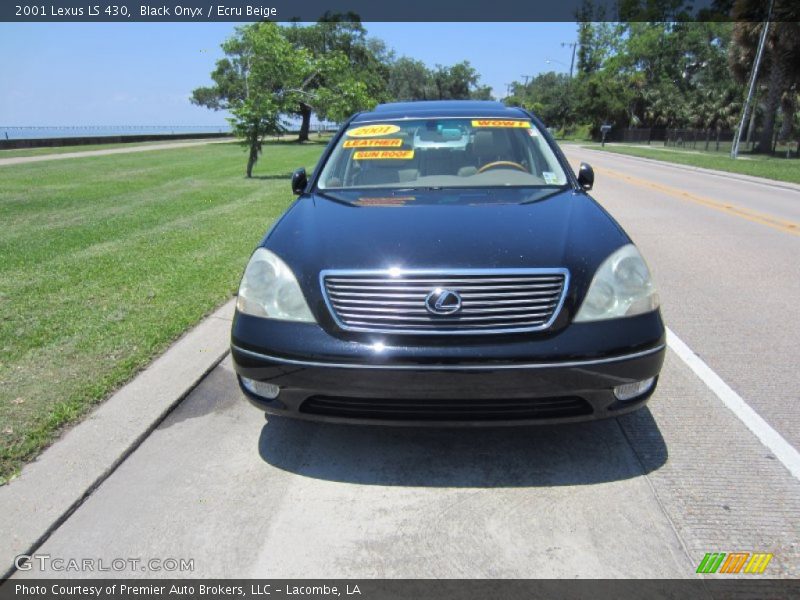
<point>492,301</point>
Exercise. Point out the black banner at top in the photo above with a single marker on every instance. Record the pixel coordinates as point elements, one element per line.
<point>382,10</point>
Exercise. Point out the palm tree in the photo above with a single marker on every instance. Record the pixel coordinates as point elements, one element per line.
<point>780,67</point>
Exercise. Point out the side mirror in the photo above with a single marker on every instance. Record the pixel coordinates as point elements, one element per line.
<point>299,181</point>
<point>586,176</point>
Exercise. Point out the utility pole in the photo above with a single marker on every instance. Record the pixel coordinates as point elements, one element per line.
<point>508,89</point>
<point>753,78</point>
<point>574,45</point>
<point>526,78</point>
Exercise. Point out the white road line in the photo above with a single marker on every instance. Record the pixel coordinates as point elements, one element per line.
<point>773,440</point>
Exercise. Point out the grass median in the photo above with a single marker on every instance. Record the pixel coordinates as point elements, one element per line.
<point>770,167</point>
<point>106,260</point>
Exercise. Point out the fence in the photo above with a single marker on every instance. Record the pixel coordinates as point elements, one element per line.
<point>706,140</point>
<point>716,140</point>
<point>635,135</point>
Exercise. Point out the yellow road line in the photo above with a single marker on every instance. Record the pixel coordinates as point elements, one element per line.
<point>730,209</point>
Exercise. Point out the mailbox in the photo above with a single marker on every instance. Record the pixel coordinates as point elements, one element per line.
<point>604,129</point>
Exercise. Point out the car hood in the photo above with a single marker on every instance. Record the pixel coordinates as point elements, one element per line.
<point>444,230</point>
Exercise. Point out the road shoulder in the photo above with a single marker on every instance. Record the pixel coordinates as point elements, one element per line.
<point>681,167</point>
<point>49,489</point>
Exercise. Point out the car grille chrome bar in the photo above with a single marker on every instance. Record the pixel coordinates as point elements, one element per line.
<point>491,301</point>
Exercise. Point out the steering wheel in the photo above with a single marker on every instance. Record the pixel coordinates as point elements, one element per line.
<point>502,163</point>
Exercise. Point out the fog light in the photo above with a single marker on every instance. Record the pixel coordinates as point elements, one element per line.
<point>269,391</point>
<point>629,391</point>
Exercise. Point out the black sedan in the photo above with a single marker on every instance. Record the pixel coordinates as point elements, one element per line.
<point>443,265</point>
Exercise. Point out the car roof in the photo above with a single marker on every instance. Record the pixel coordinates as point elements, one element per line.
<point>440,108</point>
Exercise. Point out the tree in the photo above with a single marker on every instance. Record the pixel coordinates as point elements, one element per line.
<point>482,92</point>
<point>592,46</point>
<point>457,82</point>
<point>261,78</point>
<point>409,79</point>
<point>549,95</point>
<point>657,73</point>
<point>265,77</point>
<point>780,67</point>
<point>788,111</point>
<point>715,100</point>
<point>348,63</point>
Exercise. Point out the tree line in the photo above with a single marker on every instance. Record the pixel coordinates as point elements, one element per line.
<point>655,70</point>
<point>667,73</point>
<point>331,69</point>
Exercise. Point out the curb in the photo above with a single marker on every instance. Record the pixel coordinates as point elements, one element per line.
<point>786,185</point>
<point>53,486</point>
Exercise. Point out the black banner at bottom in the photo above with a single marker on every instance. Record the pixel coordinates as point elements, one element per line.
<point>390,589</point>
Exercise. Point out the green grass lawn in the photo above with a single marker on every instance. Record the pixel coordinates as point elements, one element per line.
<point>771,167</point>
<point>108,259</point>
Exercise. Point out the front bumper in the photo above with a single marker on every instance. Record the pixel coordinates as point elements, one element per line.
<point>565,377</point>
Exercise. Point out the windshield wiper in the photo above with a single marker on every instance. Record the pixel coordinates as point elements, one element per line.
<point>552,193</point>
<point>334,197</point>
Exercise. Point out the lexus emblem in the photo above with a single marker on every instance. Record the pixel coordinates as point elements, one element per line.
<point>443,302</point>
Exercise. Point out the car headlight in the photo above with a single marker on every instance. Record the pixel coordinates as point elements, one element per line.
<point>621,287</point>
<point>269,289</point>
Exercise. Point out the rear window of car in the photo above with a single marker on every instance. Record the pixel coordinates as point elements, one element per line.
<point>442,153</point>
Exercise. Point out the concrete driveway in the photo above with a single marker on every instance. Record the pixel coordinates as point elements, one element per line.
<point>645,495</point>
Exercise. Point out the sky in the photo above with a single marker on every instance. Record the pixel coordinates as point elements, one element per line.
<point>59,74</point>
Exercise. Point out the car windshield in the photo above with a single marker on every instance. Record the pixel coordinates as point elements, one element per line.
<point>442,153</point>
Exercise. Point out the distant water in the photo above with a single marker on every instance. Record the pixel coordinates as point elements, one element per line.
<point>28,133</point>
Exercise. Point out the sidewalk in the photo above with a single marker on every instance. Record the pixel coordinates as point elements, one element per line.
<point>16,160</point>
<point>53,486</point>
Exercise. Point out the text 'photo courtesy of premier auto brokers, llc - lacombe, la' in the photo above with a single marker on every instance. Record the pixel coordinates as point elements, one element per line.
<point>189,590</point>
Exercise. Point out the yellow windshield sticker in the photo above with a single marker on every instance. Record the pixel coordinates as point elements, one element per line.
<point>383,154</point>
<point>374,143</point>
<point>500,123</point>
<point>372,130</point>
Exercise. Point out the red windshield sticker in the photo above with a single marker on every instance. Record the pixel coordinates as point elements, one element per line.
<point>373,143</point>
<point>500,123</point>
<point>383,154</point>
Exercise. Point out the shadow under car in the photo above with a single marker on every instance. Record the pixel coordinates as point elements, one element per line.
<point>525,456</point>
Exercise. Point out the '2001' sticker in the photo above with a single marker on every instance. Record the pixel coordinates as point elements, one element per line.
<point>372,130</point>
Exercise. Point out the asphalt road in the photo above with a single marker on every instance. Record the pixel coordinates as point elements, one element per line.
<point>646,495</point>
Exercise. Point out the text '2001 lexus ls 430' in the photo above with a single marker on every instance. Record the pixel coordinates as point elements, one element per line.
<point>443,265</point>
